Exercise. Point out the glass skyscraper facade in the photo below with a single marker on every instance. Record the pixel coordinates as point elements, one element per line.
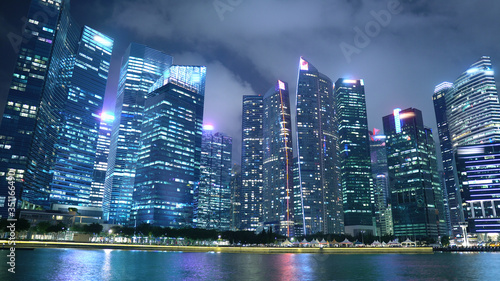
<point>101,160</point>
<point>252,155</point>
<point>170,150</point>
<point>416,195</point>
<point>235,197</point>
<point>354,156</point>
<point>25,93</point>
<point>479,167</point>
<point>141,68</point>
<point>380,175</point>
<point>60,157</point>
<point>467,113</point>
<point>278,160</point>
<point>320,205</point>
<point>213,197</point>
<point>452,201</point>
<point>473,109</point>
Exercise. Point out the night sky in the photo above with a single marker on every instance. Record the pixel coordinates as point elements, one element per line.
<point>248,44</point>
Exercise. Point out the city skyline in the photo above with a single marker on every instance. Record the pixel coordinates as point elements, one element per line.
<point>402,48</point>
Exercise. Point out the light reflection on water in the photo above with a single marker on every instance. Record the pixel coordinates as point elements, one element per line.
<point>79,264</point>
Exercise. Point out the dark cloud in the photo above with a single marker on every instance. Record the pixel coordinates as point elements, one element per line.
<point>248,44</point>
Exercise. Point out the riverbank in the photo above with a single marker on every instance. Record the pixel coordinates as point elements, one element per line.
<point>228,249</point>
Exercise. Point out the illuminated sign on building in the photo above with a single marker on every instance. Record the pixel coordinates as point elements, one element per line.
<point>397,120</point>
<point>281,85</point>
<point>304,65</point>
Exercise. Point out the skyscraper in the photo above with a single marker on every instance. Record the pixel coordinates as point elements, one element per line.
<point>141,68</point>
<point>320,207</point>
<point>213,198</point>
<point>467,113</point>
<point>452,201</point>
<point>478,167</point>
<point>60,158</point>
<point>380,175</point>
<point>472,106</point>
<point>168,167</point>
<point>25,93</point>
<point>101,160</point>
<point>252,155</point>
<point>235,197</point>
<point>354,156</point>
<point>278,160</point>
<point>416,195</point>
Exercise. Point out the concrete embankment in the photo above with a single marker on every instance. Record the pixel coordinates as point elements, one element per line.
<point>248,250</point>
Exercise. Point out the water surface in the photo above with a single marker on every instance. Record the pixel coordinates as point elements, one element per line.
<point>79,264</point>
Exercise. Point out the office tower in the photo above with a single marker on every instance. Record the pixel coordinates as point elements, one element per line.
<point>141,68</point>
<point>452,202</point>
<point>66,103</point>
<point>168,166</point>
<point>25,92</point>
<point>320,207</point>
<point>472,106</point>
<point>235,185</point>
<point>354,156</point>
<point>213,197</point>
<point>101,160</point>
<point>478,167</point>
<point>380,175</point>
<point>277,161</point>
<point>416,195</point>
<point>252,154</point>
<point>64,143</point>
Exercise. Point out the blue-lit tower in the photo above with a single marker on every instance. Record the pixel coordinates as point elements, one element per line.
<point>452,200</point>
<point>168,166</point>
<point>354,156</point>
<point>320,205</point>
<point>479,167</point>
<point>141,68</point>
<point>101,160</point>
<point>60,157</point>
<point>416,194</point>
<point>25,93</point>
<point>252,155</point>
<point>213,197</point>
<point>278,160</point>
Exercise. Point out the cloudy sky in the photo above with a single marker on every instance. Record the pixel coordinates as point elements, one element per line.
<point>402,49</point>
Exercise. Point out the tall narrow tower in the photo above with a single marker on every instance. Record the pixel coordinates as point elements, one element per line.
<point>278,160</point>
<point>141,68</point>
<point>416,195</point>
<point>252,155</point>
<point>320,207</point>
<point>354,156</point>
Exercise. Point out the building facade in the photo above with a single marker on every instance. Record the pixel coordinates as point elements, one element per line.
<point>213,197</point>
<point>354,156</point>
<point>101,160</point>
<point>278,160</point>
<point>168,169</point>
<point>252,154</point>
<point>141,68</point>
<point>452,202</point>
<point>416,195</point>
<point>25,92</point>
<point>61,153</point>
<point>478,167</point>
<point>380,175</point>
<point>320,207</point>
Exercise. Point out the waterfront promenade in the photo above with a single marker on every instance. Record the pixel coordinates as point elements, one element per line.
<point>223,249</point>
